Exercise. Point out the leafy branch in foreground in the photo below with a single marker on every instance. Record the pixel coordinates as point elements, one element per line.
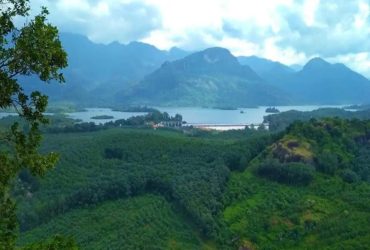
<point>33,49</point>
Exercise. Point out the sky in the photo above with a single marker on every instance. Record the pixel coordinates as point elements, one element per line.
<point>289,31</point>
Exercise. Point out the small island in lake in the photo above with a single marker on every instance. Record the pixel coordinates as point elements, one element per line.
<point>358,107</point>
<point>137,109</point>
<point>272,110</point>
<point>225,108</point>
<point>102,117</point>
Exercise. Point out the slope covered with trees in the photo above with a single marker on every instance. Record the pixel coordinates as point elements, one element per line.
<point>212,77</point>
<point>308,190</point>
<point>307,187</point>
<point>147,221</point>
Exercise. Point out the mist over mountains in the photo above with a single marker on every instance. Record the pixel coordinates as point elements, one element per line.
<point>141,74</point>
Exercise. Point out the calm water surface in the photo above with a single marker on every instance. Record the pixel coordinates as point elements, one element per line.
<point>234,117</point>
<point>191,115</point>
<point>85,116</point>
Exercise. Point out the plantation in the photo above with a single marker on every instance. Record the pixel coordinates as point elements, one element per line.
<point>306,188</point>
<point>143,222</point>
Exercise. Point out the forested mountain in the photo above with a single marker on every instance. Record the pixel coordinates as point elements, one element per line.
<point>304,188</point>
<point>208,78</point>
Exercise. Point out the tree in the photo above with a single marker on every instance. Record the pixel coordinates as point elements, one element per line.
<point>32,49</point>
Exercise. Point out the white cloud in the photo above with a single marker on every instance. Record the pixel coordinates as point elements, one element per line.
<point>103,21</point>
<point>290,31</point>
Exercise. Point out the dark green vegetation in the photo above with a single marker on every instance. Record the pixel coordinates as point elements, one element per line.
<point>281,121</point>
<point>272,110</point>
<point>147,221</point>
<point>31,48</point>
<point>305,188</point>
<point>310,195</point>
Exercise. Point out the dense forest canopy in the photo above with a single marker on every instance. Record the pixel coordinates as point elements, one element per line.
<point>223,190</point>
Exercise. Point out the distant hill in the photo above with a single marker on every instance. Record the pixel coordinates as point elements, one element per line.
<point>271,71</point>
<point>296,67</point>
<point>97,71</point>
<point>207,78</point>
<point>317,82</point>
<point>114,61</point>
<point>320,82</point>
<point>139,73</point>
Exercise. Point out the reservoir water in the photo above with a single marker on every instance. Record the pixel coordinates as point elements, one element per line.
<point>86,116</point>
<point>192,115</point>
<point>234,117</point>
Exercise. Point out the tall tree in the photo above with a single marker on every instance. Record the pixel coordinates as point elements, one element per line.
<point>33,48</point>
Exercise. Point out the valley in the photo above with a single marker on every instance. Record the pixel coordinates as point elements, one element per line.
<point>181,125</point>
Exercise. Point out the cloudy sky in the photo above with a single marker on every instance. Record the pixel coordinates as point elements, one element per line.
<point>290,31</point>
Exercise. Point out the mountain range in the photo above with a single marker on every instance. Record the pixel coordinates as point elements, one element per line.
<point>140,74</point>
<point>96,72</point>
<point>212,77</point>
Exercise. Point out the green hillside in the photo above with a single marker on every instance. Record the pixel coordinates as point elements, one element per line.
<point>143,222</point>
<point>305,188</point>
<point>308,190</point>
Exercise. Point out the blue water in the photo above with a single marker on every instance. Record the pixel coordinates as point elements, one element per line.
<point>192,115</point>
<point>235,117</point>
<point>85,116</point>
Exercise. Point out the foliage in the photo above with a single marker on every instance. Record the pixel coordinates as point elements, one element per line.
<point>279,122</point>
<point>33,49</point>
<point>205,190</point>
<point>102,117</point>
<point>288,173</point>
<point>56,243</point>
<point>133,223</point>
<point>331,212</point>
<point>190,172</point>
<point>327,214</point>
